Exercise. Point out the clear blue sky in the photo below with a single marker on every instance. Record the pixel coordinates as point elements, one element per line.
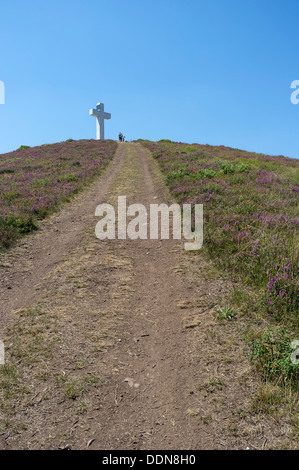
<point>216,72</point>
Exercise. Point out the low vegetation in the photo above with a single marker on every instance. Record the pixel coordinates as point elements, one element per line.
<point>250,231</point>
<point>34,181</point>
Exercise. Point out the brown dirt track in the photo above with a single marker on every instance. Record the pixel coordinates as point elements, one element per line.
<point>115,344</point>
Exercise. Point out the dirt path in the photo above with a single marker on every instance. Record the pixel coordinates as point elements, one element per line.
<point>114,344</point>
<point>26,266</point>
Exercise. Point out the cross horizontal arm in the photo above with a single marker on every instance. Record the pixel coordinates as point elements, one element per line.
<point>94,112</point>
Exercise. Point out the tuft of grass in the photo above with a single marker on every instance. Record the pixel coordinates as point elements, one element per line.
<point>74,387</point>
<point>213,384</point>
<point>225,313</point>
<point>268,399</point>
<point>82,408</point>
<point>8,382</point>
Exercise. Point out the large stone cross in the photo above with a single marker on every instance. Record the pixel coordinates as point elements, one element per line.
<point>100,115</point>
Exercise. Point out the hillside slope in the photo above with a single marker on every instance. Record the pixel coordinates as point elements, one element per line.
<point>35,181</point>
<point>250,231</point>
<point>137,344</point>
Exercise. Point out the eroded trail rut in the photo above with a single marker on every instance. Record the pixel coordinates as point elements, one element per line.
<point>113,344</point>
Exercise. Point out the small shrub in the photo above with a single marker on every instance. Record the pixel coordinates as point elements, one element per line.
<point>226,167</point>
<point>178,174</point>
<point>225,313</point>
<point>7,171</point>
<point>283,299</point>
<point>67,178</point>
<point>242,168</point>
<point>271,353</point>
<point>22,147</point>
<point>206,173</point>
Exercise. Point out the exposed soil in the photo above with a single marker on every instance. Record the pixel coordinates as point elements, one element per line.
<point>115,344</point>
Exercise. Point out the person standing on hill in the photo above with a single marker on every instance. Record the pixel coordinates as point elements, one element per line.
<point>120,137</point>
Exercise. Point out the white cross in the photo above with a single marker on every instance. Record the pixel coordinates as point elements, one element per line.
<point>100,115</point>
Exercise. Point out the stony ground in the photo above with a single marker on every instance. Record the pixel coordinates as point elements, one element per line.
<point>115,344</point>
